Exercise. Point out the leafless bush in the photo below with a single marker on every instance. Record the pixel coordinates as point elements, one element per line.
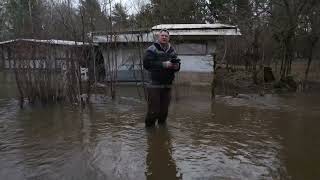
<point>44,77</point>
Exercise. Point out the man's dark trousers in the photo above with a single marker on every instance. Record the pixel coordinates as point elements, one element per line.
<point>158,105</point>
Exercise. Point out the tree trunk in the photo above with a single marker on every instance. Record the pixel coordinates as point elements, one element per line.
<point>308,68</point>
<point>30,16</point>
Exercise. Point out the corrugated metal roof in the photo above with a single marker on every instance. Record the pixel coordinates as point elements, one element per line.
<point>199,29</point>
<point>6,42</point>
<point>50,41</point>
<point>192,26</point>
<point>187,30</point>
<point>125,38</point>
<point>205,32</point>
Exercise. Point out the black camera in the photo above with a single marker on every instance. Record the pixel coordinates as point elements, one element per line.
<point>175,60</point>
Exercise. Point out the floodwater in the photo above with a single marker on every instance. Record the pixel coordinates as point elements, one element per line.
<point>253,137</point>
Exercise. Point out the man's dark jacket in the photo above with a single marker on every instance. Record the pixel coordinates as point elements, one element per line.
<point>152,61</point>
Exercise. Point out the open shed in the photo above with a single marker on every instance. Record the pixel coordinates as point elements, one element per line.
<point>195,45</point>
<point>39,54</point>
<point>53,55</point>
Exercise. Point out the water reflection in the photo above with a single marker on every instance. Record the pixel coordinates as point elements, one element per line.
<point>159,161</point>
<point>271,137</point>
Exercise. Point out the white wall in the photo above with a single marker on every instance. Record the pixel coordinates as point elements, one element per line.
<point>196,63</point>
<point>125,57</point>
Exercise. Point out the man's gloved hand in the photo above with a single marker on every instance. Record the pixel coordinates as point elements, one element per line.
<point>170,65</point>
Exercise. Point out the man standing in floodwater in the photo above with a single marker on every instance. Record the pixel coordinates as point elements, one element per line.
<point>161,61</point>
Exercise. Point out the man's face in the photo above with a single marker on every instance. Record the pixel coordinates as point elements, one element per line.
<point>164,37</point>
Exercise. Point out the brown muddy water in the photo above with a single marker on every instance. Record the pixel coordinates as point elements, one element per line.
<point>253,137</point>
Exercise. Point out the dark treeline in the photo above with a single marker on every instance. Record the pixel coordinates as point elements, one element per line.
<point>274,31</point>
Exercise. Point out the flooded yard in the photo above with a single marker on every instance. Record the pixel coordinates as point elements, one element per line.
<point>254,137</point>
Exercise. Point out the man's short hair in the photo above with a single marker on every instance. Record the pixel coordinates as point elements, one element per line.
<point>164,30</point>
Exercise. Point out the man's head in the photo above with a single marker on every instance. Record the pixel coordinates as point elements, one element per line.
<point>164,36</point>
